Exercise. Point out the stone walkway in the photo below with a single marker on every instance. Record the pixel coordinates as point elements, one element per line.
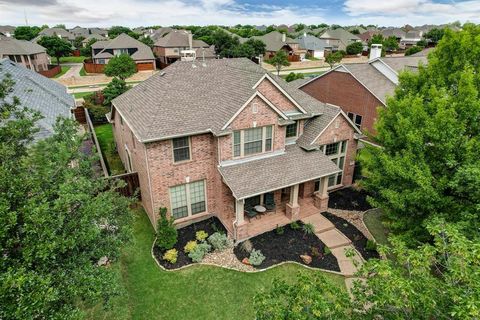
<point>339,244</point>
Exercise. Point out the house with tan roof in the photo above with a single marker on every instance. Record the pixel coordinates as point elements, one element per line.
<point>225,138</point>
<point>30,55</point>
<point>359,89</point>
<point>339,38</point>
<point>103,51</point>
<point>57,32</point>
<point>275,41</point>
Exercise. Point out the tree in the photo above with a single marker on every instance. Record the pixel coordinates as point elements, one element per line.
<point>57,220</point>
<point>61,26</point>
<point>224,43</point>
<point>258,47</point>
<point>355,31</point>
<point>87,50</point>
<point>413,50</point>
<point>390,44</point>
<point>333,58</point>
<point>115,88</point>
<point>311,297</point>
<point>294,76</point>
<point>26,33</point>
<point>355,48</point>
<point>428,164</point>
<point>121,66</point>
<point>147,40</point>
<point>78,42</point>
<point>115,31</point>
<point>299,27</point>
<point>376,39</point>
<point>435,35</point>
<point>279,60</point>
<point>167,234</point>
<point>56,47</point>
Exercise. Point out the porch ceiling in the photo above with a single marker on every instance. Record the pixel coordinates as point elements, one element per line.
<point>259,176</point>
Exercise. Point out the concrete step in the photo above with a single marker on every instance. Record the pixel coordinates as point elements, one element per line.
<point>320,223</point>
<point>333,239</point>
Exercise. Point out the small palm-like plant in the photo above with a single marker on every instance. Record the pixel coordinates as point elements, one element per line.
<point>308,228</point>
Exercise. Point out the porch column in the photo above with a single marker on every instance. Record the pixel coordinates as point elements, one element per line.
<point>321,196</point>
<point>239,211</point>
<point>292,209</point>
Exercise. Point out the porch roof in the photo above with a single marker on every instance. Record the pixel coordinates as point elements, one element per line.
<point>295,165</point>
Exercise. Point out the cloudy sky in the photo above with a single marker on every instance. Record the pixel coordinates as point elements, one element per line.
<point>229,12</point>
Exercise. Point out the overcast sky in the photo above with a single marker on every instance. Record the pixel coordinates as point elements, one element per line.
<point>229,12</point>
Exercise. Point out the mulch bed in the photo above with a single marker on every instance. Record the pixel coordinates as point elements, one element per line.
<point>186,234</point>
<point>288,246</point>
<point>359,241</point>
<point>349,199</point>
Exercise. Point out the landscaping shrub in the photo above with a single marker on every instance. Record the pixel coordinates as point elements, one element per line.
<point>171,256</point>
<point>315,252</point>
<point>96,111</point>
<point>219,241</point>
<point>293,76</point>
<point>166,232</point>
<point>246,246</point>
<point>355,48</point>
<point>199,252</point>
<point>413,50</point>
<point>326,250</point>
<point>371,245</point>
<point>256,257</point>
<point>279,230</point>
<point>201,235</point>
<point>190,246</point>
<point>308,228</point>
<point>295,225</point>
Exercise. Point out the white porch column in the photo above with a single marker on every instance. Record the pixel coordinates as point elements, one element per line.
<point>294,195</point>
<point>323,186</point>
<point>239,211</point>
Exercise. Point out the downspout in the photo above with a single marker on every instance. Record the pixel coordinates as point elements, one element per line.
<point>150,187</point>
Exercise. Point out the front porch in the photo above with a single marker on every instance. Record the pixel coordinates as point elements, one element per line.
<point>290,204</point>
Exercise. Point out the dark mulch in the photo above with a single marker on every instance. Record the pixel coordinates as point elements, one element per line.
<point>185,234</point>
<point>349,199</point>
<point>288,246</point>
<point>359,241</point>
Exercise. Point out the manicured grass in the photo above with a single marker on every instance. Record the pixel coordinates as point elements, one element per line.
<point>79,95</point>
<point>107,144</point>
<point>72,59</point>
<point>373,221</point>
<point>82,72</point>
<point>64,70</point>
<point>198,292</point>
<point>306,74</point>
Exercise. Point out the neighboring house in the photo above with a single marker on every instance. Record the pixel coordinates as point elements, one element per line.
<point>38,93</point>
<point>275,41</point>
<point>360,88</point>
<point>95,36</point>
<point>395,32</point>
<point>219,137</point>
<point>85,32</point>
<point>179,44</point>
<point>367,36</point>
<point>7,31</point>
<point>31,55</point>
<point>411,39</point>
<point>57,32</point>
<point>160,33</point>
<point>103,51</point>
<point>339,38</point>
<point>315,47</point>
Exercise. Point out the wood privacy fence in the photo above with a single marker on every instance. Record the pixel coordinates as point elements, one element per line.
<point>132,183</point>
<point>91,67</point>
<point>52,71</point>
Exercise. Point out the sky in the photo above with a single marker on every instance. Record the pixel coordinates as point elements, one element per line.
<point>134,13</point>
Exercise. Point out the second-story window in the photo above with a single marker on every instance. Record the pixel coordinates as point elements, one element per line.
<point>252,141</point>
<point>337,153</point>
<point>181,149</point>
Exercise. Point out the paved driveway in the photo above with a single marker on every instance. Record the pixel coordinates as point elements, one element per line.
<point>74,70</point>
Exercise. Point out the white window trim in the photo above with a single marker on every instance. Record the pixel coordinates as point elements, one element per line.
<point>189,150</point>
<point>292,140</point>
<point>242,144</point>
<point>337,156</point>
<point>189,203</point>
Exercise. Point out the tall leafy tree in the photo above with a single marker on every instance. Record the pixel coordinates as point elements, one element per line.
<point>78,42</point>
<point>279,60</point>
<point>56,47</point>
<point>26,32</point>
<point>121,67</point>
<point>147,40</point>
<point>435,35</point>
<point>333,58</point>
<point>56,220</point>
<point>355,48</point>
<point>115,88</point>
<point>428,165</point>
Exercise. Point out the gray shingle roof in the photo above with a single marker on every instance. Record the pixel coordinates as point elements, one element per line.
<point>38,93</point>
<point>14,46</point>
<point>341,34</point>
<point>272,173</point>
<point>184,100</point>
<point>124,41</point>
<point>310,42</point>
<point>314,126</point>
<point>96,36</point>
<point>401,63</point>
<point>273,40</point>
<point>56,31</point>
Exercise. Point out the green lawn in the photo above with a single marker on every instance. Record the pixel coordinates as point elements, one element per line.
<point>72,59</point>
<point>64,70</point>
<point>82,72</point>
<point>200,292</point>
<point>307,74</point>
<point>107,144</point>
<point>373,221</point>
<point>79,95</point>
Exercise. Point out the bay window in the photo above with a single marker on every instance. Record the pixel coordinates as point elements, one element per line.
<point>252,141</point>
<point>188,199</point>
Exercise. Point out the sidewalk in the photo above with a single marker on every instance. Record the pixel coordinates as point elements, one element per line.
<point>98,79</point>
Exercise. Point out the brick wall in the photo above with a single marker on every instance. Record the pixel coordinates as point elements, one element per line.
<point>275,96</point>
<point>341,89</point>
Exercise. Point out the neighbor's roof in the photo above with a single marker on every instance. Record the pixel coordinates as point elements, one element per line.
<point>179,38</point>
<point>341,34</point>
<point>96,36</point>
<point>124,41</point>
<point>56,31</point>
<point>310,42</point>
<point>189,98</point>
<point>401,63</point>
<point>314,126</point>
<point>272,173</point>
<point>38,93</point>
<point>273,40</point>
<point>14,46</point>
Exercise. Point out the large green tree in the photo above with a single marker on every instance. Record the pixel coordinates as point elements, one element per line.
<point>428,165</point>
<point>56,220</point>
<point>334,58</point>
<point>115,88</point>
<point>26,33</point>
<point>279,60</point>
<point>56,47</point>
<point>121,67</point>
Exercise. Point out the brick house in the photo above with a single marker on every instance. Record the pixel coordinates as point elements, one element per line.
<point>275,41</point>
<point>360,88</point>
<point>221,136</point>
<point>31,55</point>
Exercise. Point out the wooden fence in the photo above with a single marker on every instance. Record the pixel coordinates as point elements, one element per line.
<point>52,71</point>
<point>132,183</point>
<point>91,67</point>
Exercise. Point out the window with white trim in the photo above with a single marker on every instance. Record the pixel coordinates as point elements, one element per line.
<point>291,132</point>
<point>356,119</point>
<point>188,199</point>
<point>252,141</point>
<point>181,149</point>
<point>336,152</point>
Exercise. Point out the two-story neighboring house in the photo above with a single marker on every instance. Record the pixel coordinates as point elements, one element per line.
<point>57,32</point>
<point>222,136</point>
<point>31,55</point>
<point>275,41</point>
